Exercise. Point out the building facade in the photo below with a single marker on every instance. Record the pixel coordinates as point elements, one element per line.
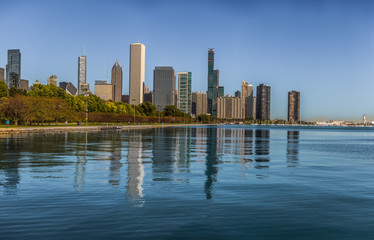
<point>228,107</point>
<point>52,80</point>
<point>237,93</point>
<point>2,78</point>
<point>263,102</point>
<point>104,90</point>
<point>199,103</point>
<point>82,73</point>
<point>163,87</point>
<point>116,82</point>
<point>184,92</point>
<point>148,97</point>
<point>24,84</point>
<point>246,101</point>
<point>137,71</point>
<point>13,68</point>
<point>293,106</point>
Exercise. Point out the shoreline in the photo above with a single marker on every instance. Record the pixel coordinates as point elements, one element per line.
<point>62,129</point>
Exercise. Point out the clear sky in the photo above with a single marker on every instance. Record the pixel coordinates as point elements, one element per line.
<point>324,49</point>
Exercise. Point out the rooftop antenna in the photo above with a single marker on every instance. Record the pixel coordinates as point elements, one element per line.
<point>84,50</point>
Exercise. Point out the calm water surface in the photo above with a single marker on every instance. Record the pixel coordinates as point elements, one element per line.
<point>189,183</point>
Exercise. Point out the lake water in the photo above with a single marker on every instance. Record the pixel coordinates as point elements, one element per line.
<point>232,182</point>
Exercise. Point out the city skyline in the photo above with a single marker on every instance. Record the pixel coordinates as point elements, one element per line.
<point>322,49</point>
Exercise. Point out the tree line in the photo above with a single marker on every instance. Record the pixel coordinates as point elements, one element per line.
<point>49,103</point>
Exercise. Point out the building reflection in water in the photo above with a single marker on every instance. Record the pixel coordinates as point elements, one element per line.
<point>163,157</point>
<point>183,147</point>
<point>80,166</point>
<point>292,148</point>
<point>248,146</point>
<point>211,170</point>
<point>135,170</point>
<point>10,155</point>
<point>115,160</point>
<point>262,147</point>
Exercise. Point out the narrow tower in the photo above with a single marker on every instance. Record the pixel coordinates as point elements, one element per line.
<point>117,82</point>
<point>137,68</point>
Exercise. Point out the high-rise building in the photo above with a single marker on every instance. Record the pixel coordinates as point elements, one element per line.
<point>2,78</point>
<point>85,88</point>
<point>254,107</point>
<point>246,100</point>
<point>175,94</point>
<point>163,86</point>
<point>145,89</point>
<point>213,84</point>
<point>24,84</point>
<point>221,91</point>
<point>293,106</point>
<point>82,73</point>
<point>116,82</point>
<point>228,107</point>
<point>237,94</point>
<point>263,102</point>
<point>104,90</point>
<point>137,68</point>
<point>13,68</point>
<point>199,103</point>
<point>148,97</point>
<point>184,92</point>
<point>52,80</point>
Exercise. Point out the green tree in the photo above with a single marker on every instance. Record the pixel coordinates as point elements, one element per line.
<point>39,90</point>
<point>3,89</point>
<point>171,110</point>
<point>204,118</point>
<point>13,91</point>
<point>147,109</point>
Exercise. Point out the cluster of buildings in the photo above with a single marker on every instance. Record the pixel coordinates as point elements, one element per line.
<point>243,105</point>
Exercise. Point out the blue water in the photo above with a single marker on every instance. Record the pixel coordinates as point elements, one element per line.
<point>232,182</point>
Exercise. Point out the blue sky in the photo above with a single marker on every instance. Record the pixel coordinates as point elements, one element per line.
<point>324,49</point>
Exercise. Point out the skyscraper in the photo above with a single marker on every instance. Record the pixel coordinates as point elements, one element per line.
<point>52,80</point>
<point>237,94</point>
<point>213,81</point>
<point>228,107</point>
<point>13,68</point>
<point>117,82</point>
<point>184,92</point>
<point>263,102</point>
<point>82,73</point>
<point>199,103</point>
<point>293,106</point>
<point>246,100</point>
<point>2,78</point>
<point>163,87</point>
<point>137,68</point>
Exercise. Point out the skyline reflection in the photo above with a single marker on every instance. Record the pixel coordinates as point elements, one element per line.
<point>166,154</point>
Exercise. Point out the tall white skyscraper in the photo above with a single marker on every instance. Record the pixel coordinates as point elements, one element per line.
<point>137,68</point>
<point>82,73</point>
